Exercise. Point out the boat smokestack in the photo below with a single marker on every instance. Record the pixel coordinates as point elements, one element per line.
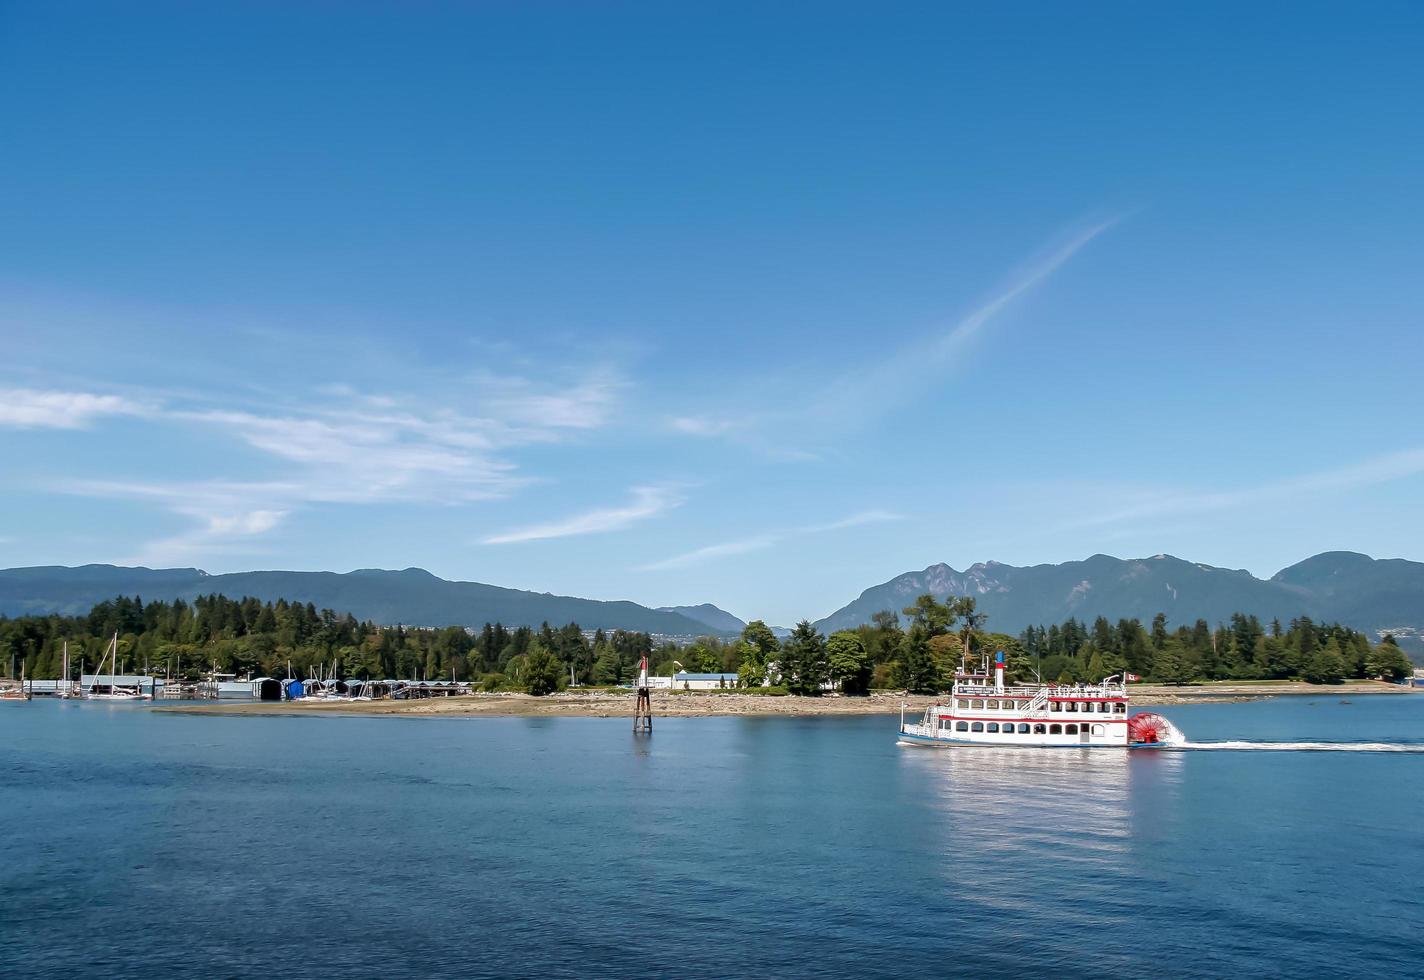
<point>999,672</point>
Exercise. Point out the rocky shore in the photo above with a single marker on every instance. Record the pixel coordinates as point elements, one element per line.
<point>611,704</point>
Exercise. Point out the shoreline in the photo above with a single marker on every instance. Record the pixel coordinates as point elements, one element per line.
<point>707,704</point>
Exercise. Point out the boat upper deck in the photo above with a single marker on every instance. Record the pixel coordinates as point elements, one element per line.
<point>974,686</point>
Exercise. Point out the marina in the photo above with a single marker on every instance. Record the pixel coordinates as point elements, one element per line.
<point>230,688</point>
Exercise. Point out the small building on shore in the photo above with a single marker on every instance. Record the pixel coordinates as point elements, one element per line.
<point>108,683</point>
<point>685,681</point>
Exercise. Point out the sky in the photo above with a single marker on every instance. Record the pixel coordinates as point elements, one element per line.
<point>753,304</point>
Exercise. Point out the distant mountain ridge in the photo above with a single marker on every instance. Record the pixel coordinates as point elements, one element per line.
<point>412,596</point>
<point>1366,593</point>
<point>710,616</point>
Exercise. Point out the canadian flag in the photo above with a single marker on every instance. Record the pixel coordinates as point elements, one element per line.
<point>1128,678</point>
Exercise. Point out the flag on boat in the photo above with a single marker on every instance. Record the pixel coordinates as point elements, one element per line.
<point>1129,678</point>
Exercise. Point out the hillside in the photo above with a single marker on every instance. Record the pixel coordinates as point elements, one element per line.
<point>1366,593</point>
<point>710,616</point>
<point>412,596</point>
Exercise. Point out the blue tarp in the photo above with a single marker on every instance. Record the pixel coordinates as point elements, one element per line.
<point>295,690</point>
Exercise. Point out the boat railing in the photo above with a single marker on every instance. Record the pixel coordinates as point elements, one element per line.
<point>1047,690</point>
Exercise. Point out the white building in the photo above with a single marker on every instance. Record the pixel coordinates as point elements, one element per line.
<point>685,681</point>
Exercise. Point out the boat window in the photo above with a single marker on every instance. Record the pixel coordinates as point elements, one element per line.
<point>964,702</point>
<point>978,726</point>
<point>963,726</point>
<point>1040,729</point>
<point>978,702</point>
<point>992,727</point>
<point>1023,729</point>
<point>1102,707</point>
<point>944,723</point>
<point>1055,729</point>
<point>1073,706</point>
<point>1120,708</point>
<point>1070,729</point>
<point>1097,729</point>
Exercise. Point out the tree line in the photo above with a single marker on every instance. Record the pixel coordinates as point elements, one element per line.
<point>1241,649</point>
<point>293,639</point>
<point>918,653</point>
<point>923,654</point>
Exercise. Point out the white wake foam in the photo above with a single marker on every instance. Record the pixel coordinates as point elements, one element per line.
<point>1304,746</point>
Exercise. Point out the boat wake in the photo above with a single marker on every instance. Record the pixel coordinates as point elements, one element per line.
<point>1169,736</point>
<point>1237,746</point>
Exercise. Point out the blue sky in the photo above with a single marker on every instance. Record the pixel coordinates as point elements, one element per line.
<point>751,304</point>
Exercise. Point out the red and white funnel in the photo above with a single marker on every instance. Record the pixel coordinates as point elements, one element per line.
<point>999,672</point>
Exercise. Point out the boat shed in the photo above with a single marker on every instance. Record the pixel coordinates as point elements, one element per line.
<point>105,683</point>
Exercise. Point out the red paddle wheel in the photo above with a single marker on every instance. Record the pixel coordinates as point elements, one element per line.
<point>1146,728</point>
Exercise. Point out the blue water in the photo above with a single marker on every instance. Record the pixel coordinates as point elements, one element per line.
<point>140,843</point>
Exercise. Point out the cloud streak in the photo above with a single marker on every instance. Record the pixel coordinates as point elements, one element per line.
<point>647,502</point>
<point>1368,472</point>
<point>767,539</point>
<point>30,408</point>
<point>341,447</point>
<point>855,396</point>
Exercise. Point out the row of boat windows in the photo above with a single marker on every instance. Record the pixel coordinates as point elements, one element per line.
<point>994,704</point>
<point>1023,728</point>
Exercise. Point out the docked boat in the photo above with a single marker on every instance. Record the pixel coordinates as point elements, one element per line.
<point>113,691</point>
<point>983,710</point>
<point>20,693</point>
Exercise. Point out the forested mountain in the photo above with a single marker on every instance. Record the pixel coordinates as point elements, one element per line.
<point>709,615</point>
<point>413,596</point>
<point>1356,590</point>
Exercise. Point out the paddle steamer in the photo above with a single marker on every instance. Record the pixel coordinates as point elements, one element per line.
<point>982,710</point>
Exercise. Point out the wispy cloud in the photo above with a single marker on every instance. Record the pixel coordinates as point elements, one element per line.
<point>339,446</point>
<point>1368,472</point>
<point>872,389</point>
<point>30,408</point>
<point>647,502</point>
<point>224,517</point>
<point>586,404</point>
<point>766,539</point>
<point>853,396</point>
<point>701,425</point>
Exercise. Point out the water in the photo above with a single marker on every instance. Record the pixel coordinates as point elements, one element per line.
<point>140,843</point>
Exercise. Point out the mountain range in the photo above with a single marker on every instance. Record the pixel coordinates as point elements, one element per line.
<point>1366,593</point>
<point>1369,594</point>
<point>413,597</point>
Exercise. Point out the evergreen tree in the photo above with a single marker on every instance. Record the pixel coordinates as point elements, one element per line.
<point>803,662</point>
<point>1175,663</point>
<point>1387,660</point>
<point>1326,665</point>
<point>543,673</point>
<point>1159,631</point>
<point>915,669</point>
<point>848,662</point>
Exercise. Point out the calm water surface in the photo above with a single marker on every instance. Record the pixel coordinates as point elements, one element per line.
<point>140,843</point>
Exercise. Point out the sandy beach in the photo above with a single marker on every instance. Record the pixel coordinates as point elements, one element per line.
<point>612,704</point>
